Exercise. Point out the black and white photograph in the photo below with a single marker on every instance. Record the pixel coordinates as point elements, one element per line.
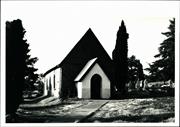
<point>90,63</point>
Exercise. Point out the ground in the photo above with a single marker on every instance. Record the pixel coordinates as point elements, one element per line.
<point>136,110</point>
<point>117,111</point>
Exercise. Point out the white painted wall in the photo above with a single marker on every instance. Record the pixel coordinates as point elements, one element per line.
<point>79,89</point>
<point>58,79</point>
<point>84,86</point>
<point>45,86</point>
<point>47,83</point>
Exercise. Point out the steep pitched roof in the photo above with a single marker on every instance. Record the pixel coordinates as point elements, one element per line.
<point>87,46</point>
<point>87,67</point>
<point>86,49</point>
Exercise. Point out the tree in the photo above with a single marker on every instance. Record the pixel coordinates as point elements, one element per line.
<point>19,65</point>
<point>119,55</point>
<point>135,70</point>
<point>40,85</point>
<point>30,75</point>
<point>164,67</point>
<point>15,65</point>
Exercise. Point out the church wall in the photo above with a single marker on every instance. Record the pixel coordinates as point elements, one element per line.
<point>86,83</point>
<point>47,79</point>
<point>45,87</point>
<point>52,83</point>
<point>58,81</point>
<point>79,89</point>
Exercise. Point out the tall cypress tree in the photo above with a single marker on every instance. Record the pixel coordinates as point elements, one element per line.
<point>19,66</point>
<point>15,65</point>
<point>120,58</point>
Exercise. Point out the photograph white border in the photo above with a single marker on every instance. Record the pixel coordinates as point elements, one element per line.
<point>3,66</point>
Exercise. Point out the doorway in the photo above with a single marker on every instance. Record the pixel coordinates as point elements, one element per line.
<point>96,86</point>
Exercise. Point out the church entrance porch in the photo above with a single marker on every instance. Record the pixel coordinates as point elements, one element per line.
<point>92,82</point>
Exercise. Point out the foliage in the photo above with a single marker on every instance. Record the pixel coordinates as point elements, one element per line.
<point>120,59</point>
<point>163,68</point>
<point>30,75</point>
<point>19,65</point>
<point>135,70</point>
<point>15,64</point>
<point>40,85</point>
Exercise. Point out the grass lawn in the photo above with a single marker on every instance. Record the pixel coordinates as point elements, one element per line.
<point>136,110</point>
<point>118,111</point>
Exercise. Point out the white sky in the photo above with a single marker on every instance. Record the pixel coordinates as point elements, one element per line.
<point>53,28</point>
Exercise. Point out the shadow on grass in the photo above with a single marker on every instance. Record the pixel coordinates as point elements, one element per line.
<point>142,118</point>
<point>49,119</point>
<point>153,93</point>
<point>72,119</point>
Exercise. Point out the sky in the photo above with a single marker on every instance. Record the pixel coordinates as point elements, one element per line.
<point>53,28</point>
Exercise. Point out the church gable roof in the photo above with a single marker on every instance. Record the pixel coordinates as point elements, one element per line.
<point>86,49</point>
<point>89,65</point>
<point>86,69</point>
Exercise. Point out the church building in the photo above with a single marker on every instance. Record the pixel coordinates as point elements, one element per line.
<point>86,72</point>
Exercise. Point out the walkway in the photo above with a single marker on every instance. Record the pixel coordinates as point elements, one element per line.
<point>78,114</point>
<point>46,102</point>
<point>84,112</point>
